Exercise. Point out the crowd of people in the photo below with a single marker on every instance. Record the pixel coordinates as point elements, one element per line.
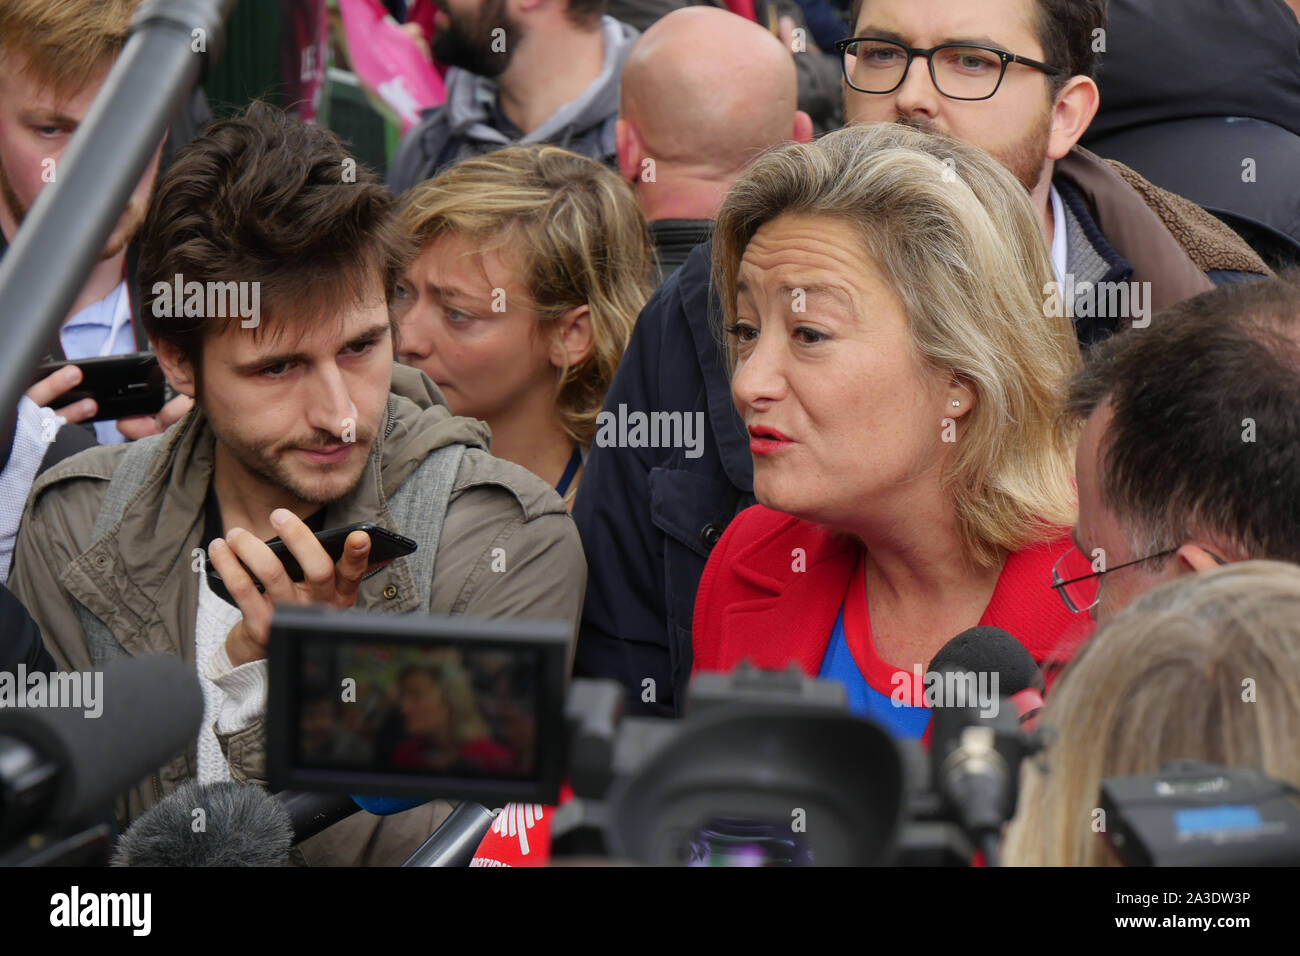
<point>949,369</point>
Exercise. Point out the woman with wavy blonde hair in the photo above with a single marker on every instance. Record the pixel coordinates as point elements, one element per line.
<point>1204,668</point>
<point>898,370</point>
<point>444,725</point>
<point>534,265</point>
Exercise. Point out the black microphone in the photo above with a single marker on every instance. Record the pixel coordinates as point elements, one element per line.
<point>990,650</point>
<point>214,824</point>
<point>976,750</point>
<point>311,813</point>
<point>61,765</point>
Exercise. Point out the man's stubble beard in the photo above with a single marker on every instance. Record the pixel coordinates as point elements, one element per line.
<point>268,465</point>
<point>123,232</point>
<point>468,45</point>
<point>1024,158</point>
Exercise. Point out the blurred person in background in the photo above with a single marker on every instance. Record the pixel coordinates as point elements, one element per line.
<point>899,379</point>
<point>686,129</point>
<point>533,264</point>
<point>809,46</point>
<point>1162,682</point>
<point>1017,79</point>
<point>512,701</point>
<point>54,57</point>
<point>444,729</point>
<point>323,733</point>
<point>522,72</point>
<point>1153,69</point>
<point>1189,453</point>
<point>1240,121</point>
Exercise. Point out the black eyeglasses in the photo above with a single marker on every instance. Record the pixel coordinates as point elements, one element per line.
<point>960,71</point>
<point>1082,591</point>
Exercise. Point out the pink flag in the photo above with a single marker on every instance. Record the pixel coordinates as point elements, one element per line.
<point>388,62</point>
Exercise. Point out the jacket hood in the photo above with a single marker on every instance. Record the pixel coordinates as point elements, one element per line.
<point>468,97</point>
<point>419,422</point>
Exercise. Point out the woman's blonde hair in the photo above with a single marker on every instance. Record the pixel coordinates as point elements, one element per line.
<point>65,44</point>
<point>579,238</point>
<point>1206,667</point>
<point>955,236</point>
<point>448,671</point>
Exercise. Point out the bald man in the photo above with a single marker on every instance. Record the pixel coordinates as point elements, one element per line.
<point>703,92</point>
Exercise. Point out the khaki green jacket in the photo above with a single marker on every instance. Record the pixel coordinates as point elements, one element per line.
<point>139,578</point>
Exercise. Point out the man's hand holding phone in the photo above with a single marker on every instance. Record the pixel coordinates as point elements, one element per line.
<point>324,581</point>
<point>56,384</point>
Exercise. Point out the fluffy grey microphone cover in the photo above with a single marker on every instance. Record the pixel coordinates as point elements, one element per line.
<point>216,824</point>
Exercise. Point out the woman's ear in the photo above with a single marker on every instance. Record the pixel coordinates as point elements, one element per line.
<point>960,398</point>
<point>572,341</point>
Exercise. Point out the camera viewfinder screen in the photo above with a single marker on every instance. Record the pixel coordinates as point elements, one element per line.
<point>448,710</point>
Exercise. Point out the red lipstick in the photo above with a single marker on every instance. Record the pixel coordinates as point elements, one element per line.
<point>767,441</point>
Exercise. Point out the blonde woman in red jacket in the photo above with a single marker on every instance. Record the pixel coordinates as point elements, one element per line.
<point>897,356</point>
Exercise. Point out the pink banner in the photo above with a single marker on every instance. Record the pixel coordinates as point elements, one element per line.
<point>388,62</point>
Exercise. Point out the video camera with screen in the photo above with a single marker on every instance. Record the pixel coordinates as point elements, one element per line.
<point>768,767</point>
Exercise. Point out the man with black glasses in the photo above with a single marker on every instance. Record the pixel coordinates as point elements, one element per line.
<point>1190,452</point>
<point>1016,78</point>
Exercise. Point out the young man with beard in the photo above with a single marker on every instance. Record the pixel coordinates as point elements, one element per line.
<point>1017,79</point>
<point>649,518</point>
<point>522,71</point>
<point>302,423</point>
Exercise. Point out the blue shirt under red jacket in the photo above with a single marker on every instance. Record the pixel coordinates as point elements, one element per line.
<point>774,587</point>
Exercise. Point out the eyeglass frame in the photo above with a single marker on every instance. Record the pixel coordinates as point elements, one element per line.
<point>1059,586</point>
<point>912,52</point>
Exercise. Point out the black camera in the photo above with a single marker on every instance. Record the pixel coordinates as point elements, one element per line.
<point>1199,814</point>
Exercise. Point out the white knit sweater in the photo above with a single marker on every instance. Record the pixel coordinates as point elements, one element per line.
<point>233,697</point>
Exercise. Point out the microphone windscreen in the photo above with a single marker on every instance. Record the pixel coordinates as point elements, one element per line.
<point>990,650</point>
<point>135,716</point>
<point>215,824</point>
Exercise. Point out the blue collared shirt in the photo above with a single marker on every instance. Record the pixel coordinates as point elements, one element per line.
<point>86,334</point>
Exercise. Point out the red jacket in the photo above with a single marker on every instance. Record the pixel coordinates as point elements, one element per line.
<point>774,585</point>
